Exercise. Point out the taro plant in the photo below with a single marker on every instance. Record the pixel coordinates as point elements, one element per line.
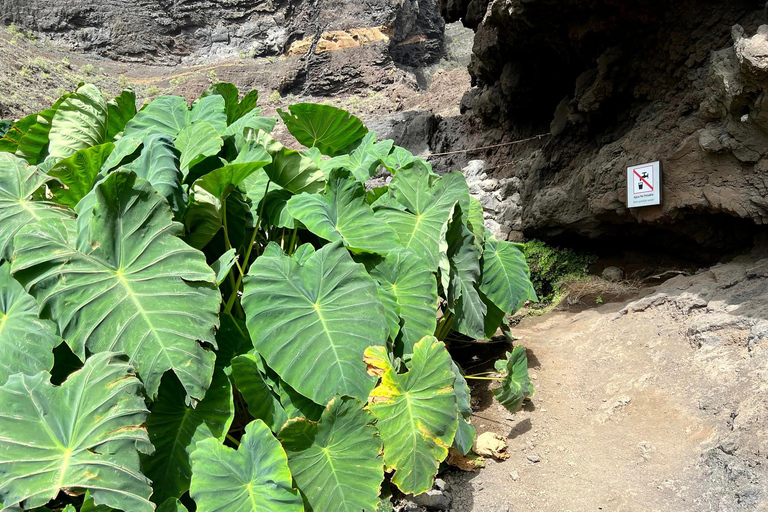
<point>194,316</point>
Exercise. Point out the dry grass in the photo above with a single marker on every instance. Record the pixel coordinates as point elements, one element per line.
<point>593,290</point>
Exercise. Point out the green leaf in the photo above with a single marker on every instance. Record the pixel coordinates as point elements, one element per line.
<point>276,210</point>
<point>79,173</point>
<point>80,122</point>
<point>11,139</point>
<point>397,160</point>
<point>166,114</point>
<point>465,433</point>
<point>211,110</point>
<point>290,169</point>
<point>81,435</point>
<point>411,281</point>
<point>463,297</point>
<point>364,161</point>
<point>297,405</point>
<point>158,163</point>
<point>26,342</point>
<point>425,206</point>
<point>125,151</point>
<point>336,463</point>
<point>196,142</point>
<point>5,125</point>
<point>342,214</point>
<point>234,107</point>
<point>120,110</point>
<point>119,279</point>
<point>416,412</point>
<point>506,278</point>
<point>223,180</point>
<point>331,130</point>
<point>253,478</point>
<point>303,253</point>
<point>175,429</point>
<point>476,221</point>
<point>304,317</point>
<point>90,506</point>
<point>171,505</point>
<point>263,402</point>
<point>516,385</point>
<point>251,121</point>
<point>203,218</point>
<point>33,146</point>
<point>18,181</point>
<point>224,264</point>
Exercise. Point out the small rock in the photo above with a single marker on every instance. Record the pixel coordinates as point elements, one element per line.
<point>514,475</point>
<point>613,274</point>
<point>433,500</point>
<point>442,484</point>
<point>493,445</point>
<point>533,458</point>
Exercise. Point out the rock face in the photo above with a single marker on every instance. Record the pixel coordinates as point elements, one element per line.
<point>166,32</point>
<point>619,83</point>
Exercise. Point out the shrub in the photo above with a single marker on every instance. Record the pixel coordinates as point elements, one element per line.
<point>551,266</point>
<point>232,318</point>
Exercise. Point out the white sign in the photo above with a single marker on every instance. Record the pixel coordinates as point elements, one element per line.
<point>644,185</point>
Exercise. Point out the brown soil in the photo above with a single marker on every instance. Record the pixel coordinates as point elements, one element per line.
<point>656,408</point>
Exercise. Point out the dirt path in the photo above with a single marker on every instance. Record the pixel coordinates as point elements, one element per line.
<point>660,408</point>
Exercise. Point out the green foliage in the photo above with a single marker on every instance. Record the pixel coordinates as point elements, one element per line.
<point>516,385</point>
<point>206,287</point>
<point>550,266</point>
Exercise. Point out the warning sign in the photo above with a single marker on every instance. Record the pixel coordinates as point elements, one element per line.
<point>644,185</point>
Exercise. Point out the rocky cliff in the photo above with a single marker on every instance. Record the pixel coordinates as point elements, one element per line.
<point>618,83</point>
<point>169,32</point>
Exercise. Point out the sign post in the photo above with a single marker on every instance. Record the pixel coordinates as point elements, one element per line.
<point>644,185</point>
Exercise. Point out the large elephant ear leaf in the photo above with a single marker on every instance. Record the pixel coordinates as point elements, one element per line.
<point>235,107</point>
<point>158,163</point>
<point>80,122</point>
<point>307,316</point>
<point>197,142</point>
<point>220,182</point>
<point>416,413</point>
<point>506,277</point>
<point>463,296</point>
<point>175,429</point>
<point>263,400</point>
<point>33,146</point>
<point>82,435</point>
<point>364,161</point>
<point>411,281</point>
<point>26,341</point>
<point>120,109</point>
<point>253,478</point>
<point>5,125</point>
<point>11,138</point>
<point>119,279</point>
<point>79,173</point>
<point>18,181</point>
<point>166,114</point>
<point>418,206</point>
<point>336,463</point>
<point>331,130</point>
<point>516,385</point>
<point>341,214</point>
<point>291,169</point>
<point>465,433</point>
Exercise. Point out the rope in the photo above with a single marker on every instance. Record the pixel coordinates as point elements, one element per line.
<point>535,137</point>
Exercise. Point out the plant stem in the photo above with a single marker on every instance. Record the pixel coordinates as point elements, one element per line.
<point>246,266</point>
<point>292,245</point>
<point>235,441</point>
<point>227,244</point>
<point>444,327</point>
<point>482,378</point>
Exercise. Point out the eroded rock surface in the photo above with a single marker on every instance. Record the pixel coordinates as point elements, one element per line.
<point>621,83</point>
<point>164,32</point>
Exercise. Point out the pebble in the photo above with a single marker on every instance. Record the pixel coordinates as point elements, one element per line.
<point>533,458</point>
<point>514,475</point>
